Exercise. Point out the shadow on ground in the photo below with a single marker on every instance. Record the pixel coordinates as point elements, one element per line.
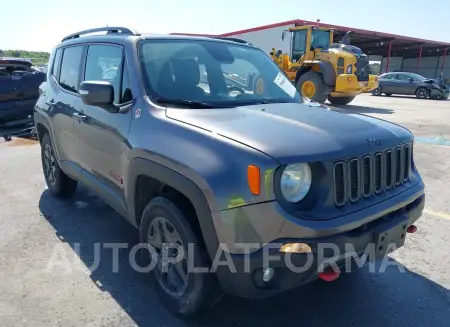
<point>357,299</point>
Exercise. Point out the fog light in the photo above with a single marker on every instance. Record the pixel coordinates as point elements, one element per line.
<point>268,275</point>
<point>295,248</point>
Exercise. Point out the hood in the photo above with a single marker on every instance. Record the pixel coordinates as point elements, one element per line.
<point>292,132</point>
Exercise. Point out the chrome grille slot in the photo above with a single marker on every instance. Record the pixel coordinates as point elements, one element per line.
<point>355,180</point>
<point>378,172</point>
<point>367,176</point>
<point>398,166</point>
<point>406,162</point>
<point>340,194</point>
<point>389,169</point>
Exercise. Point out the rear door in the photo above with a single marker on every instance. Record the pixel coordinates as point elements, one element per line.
<point>10,87</point>
<point>60,99</point>
<point>388,83</point>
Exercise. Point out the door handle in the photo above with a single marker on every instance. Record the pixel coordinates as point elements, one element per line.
<point>80,117</point>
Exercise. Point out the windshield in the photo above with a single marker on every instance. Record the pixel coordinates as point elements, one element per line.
<point>219,74</point>
<point>418,77</point>
<point>320,39</point>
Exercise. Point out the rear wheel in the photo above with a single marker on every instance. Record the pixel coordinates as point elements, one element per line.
<point>422,93</point>
<point>58,183</point>
<point>312,86</point>
<point>167,230</point>
<point>340,100</point>
<point>376,91</point>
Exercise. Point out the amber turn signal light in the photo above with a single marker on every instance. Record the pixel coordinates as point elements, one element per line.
<point>254,179</point>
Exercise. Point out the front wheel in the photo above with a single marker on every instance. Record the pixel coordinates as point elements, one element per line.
<point>175,247</point>
<point>311,86</point>
<point>58,183</point>
<point>422,93</point>
<point>340,100</point>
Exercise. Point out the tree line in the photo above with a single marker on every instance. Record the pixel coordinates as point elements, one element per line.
<point>24,54</point>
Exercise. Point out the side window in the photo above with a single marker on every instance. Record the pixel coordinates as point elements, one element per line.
<point>298,44</point>
<point>70,68</point>
<point>403,77</point>
<point>126,95</point>
<point>103,64</point>
<point>56,64</point>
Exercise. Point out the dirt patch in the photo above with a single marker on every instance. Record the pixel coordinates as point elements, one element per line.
<point>17,141</point>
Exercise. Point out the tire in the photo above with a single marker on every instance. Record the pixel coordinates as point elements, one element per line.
<point>59,184</point>
<point>200,289</point>
<point>388,94</point>
<point>377,91</point>
<point>340,100</point>
<point>319,94</point>
<point>422,93</point>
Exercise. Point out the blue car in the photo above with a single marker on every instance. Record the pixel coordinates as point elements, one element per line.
<point>411,84</point>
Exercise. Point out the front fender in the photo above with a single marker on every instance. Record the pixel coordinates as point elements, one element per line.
<point>141,166</point>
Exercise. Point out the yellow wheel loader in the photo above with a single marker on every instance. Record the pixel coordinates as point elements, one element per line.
<point>321,69</point>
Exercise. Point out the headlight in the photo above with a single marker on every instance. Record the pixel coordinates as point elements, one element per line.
<point>349,69</point>
<point>436,86</point>
<point>295,182</point>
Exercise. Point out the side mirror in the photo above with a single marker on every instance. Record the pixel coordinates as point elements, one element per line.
<point>98,93</point>
<point>411,79</point>
<point>283,36</point>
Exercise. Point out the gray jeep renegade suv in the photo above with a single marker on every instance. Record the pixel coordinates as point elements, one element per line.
<point>205,147</point>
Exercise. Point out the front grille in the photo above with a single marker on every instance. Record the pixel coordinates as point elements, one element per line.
<point>369,175</point>
<point>362,69</point>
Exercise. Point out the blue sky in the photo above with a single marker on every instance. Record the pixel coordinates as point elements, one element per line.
<point>39,25</point>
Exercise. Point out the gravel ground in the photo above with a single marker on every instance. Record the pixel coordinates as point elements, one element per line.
<point>37,231</point>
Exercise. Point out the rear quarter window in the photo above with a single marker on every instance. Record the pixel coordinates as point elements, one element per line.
<point>56,64</point>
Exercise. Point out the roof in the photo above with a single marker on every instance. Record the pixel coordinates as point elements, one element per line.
<point>14,60</point>
<point>371,42</point>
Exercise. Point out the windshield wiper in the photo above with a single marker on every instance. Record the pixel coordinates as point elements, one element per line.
<point>187,103</point>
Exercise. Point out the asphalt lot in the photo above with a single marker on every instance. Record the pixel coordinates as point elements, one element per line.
<point>35,228</point>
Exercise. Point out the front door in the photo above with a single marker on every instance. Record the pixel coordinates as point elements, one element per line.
<point>100,135</point>
<point>406,84</point>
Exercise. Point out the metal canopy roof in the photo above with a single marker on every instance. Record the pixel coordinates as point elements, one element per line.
<point>371,42</point>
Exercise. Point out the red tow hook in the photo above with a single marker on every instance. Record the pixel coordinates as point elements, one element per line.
<point>329,275</point>
<point>412,229</point>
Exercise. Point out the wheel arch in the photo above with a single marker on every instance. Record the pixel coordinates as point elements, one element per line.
<point>167,177</point>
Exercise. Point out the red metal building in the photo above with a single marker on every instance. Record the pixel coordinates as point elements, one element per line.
<point>395,52</point>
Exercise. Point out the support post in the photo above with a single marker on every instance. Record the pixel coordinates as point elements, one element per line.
<point>418,61</point>
<point>389,56</point>
<point>443,62</point>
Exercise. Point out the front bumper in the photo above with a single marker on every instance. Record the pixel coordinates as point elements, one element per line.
<point>440,93</point>
<point>244,279</point>
<point>348,85</point>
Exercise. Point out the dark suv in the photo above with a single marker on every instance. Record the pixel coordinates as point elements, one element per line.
<point>218,170</point>
<point>19,88</point>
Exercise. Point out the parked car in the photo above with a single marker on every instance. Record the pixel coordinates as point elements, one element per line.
<point>206,169</point>
<point>19,88</point>
<point>410,84</point>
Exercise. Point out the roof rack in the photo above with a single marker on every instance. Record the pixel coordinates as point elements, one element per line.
<point>234,39</point>
<point>109,30</point>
